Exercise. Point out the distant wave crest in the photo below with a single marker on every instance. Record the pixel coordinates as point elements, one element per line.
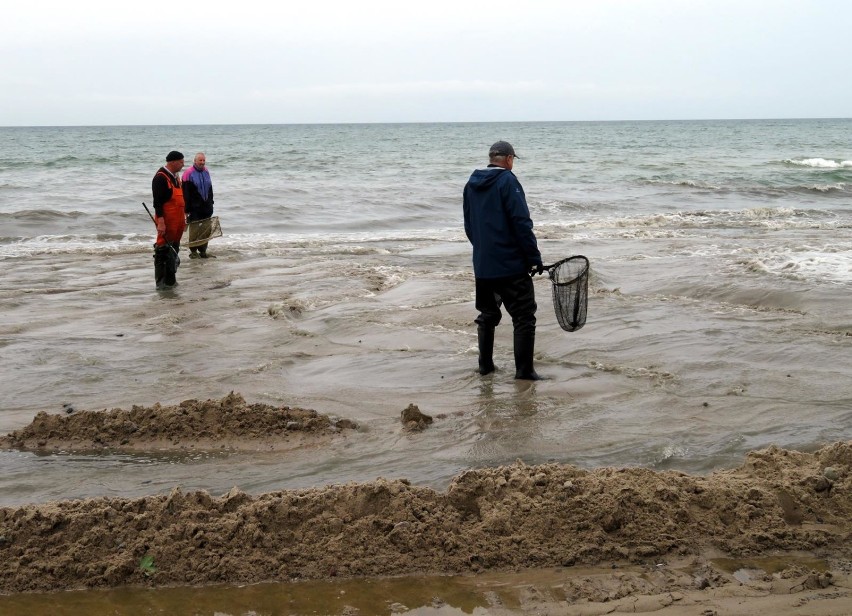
<point>685,183</point>
<point>770,217</point>
<point>820,163</point>
<point>762,190</point>
<point>43,215</point>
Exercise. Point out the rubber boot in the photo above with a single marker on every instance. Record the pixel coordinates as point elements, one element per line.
<point>159,266</point>
<point>171,265</point>
<point>486,349</point>
<point>524,350</point>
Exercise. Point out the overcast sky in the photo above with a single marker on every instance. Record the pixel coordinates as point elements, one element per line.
<point>294,61</point>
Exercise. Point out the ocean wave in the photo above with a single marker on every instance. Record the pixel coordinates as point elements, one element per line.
<point>683,224</point>
<point>832,263</point>
<point>792,218</point>
<point>762,191</point>
<point>820,163</point>
<point>272,244</point>
<point>777,192</point>
<point>67,160</point>
<point>558,207</point>
<point>14,163</point>
<point>43,215</point>
<point>101,243</point>
<point>684,183</point>
<point>763,213</point>
<point>826,188</point>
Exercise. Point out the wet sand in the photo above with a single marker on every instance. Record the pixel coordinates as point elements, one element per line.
<point>664,536</point>
<point>230,423</point>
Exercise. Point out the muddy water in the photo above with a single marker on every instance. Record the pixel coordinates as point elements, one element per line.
<point>408,596</point>
<point>482,594</point>
<point>681,364</point>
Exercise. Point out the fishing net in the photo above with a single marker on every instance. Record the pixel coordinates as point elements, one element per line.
<point>570,279</point>
<point>202,231</point>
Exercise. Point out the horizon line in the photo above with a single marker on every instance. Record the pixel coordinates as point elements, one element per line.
<point>400,123</point>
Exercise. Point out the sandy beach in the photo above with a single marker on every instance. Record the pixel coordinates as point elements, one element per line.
<point>773,534</point>
<point>299,427</point>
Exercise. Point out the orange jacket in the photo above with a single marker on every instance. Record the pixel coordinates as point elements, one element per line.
<point>173,212</point>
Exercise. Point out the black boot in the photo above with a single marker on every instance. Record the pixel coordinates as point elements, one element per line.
<point>172,263</point>
<point>486,349</point>
<point>176,253</point>
<point>159,265</point>
<point>524,349</point>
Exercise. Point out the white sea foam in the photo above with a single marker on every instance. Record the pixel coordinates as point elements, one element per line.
<point>669,451</point>
<point>826,265</point>
<point>820,163</point>
<point>831,262</point>
<point>826,188</point>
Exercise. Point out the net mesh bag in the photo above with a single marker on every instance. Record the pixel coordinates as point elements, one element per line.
<point>199,232</point>
<point>570,279</point>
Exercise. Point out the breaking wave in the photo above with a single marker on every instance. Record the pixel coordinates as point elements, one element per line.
<point>820,163</point>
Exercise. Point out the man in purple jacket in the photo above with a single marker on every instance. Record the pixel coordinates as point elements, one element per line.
<point>198,193</point>
<point>505,255</point>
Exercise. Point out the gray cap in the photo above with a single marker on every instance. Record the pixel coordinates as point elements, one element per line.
<point>502,148</point>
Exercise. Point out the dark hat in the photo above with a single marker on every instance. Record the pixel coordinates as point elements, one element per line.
<point>175,155</point>
<point>502,148</point>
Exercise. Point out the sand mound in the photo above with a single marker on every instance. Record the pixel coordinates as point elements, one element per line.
<point>229,422</point>
<point>502,518</point>
<point>414,420</point>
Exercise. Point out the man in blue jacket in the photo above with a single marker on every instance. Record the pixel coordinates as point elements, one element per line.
<point>505,256</point>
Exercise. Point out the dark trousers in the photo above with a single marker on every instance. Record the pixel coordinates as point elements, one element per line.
<point>517,294</point>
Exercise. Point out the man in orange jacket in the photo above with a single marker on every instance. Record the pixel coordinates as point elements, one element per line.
<point>170,217</point>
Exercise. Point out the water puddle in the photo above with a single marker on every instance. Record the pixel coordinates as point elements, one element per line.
<point>404,596</point>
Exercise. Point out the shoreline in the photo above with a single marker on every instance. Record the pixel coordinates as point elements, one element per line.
<point>783,584</point>
<point>505,518</point>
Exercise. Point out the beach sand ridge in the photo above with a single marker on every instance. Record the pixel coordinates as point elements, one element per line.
<point>660,529</point>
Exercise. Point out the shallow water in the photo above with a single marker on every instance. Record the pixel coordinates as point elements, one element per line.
<point>446,595</point>
<point>407,596</point>
<point>718,321</point>
<point>403,596</point>
<point>689,372</point>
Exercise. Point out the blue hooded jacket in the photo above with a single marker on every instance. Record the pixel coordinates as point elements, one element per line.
<point>498,224</point>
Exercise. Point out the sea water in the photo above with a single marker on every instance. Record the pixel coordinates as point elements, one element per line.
<point>719,318</point>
